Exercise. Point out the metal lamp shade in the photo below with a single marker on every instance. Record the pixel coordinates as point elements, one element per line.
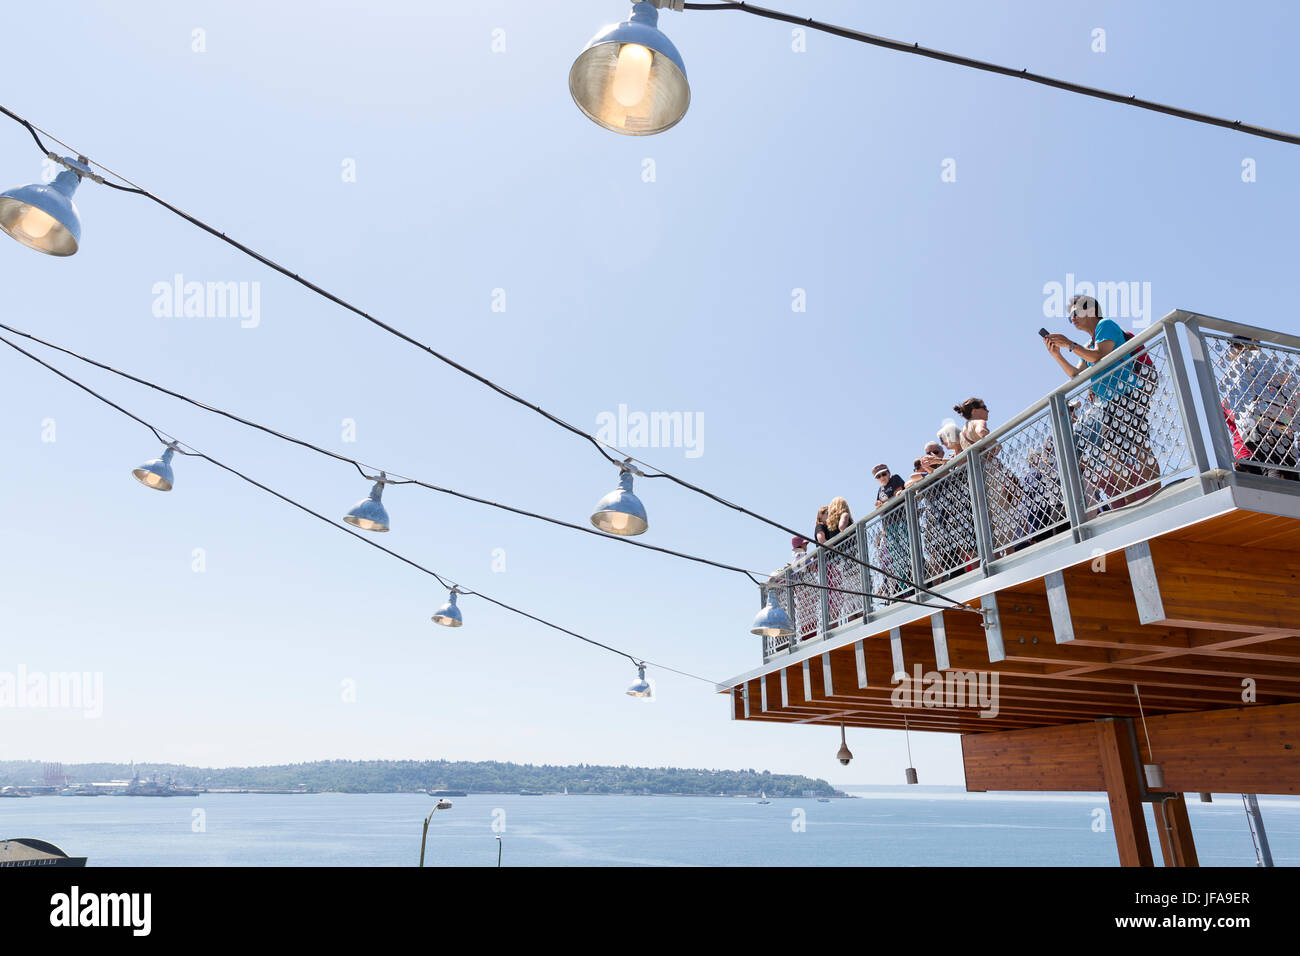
<point>620,511</point>
<point>369,514</point>
<point>156,474</point>
<point>772,621</point>
<point>43,217</point>
<point>449,614</point>
<point>630,78</point>
<point>642,686</point>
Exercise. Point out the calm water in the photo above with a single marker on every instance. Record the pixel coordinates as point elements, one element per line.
<point>886,827</point>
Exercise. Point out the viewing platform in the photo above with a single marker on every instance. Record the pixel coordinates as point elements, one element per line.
<point>1101,557</point>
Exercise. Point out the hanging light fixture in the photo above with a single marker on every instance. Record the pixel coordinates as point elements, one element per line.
<point>449,614</point>
<point>642,686</point>
<point>630,78</point>
<point>1155,773</point>
<point>621,512</point>
<point>42,216</point>
<point>844,755</point>
<point>157,473</point>
<point>772,620</point>
<point>907,735</point>
<point>369,514</point>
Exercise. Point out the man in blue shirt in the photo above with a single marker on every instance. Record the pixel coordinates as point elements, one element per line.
<point>1121,455</point>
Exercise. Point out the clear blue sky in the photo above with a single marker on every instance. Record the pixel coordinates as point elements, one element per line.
<point>474,172</point>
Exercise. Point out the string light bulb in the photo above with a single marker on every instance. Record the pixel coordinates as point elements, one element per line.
<point>369,514</point>
<point>629,78</point>
<point>772,620</point>
<point>42,216</point>
<point>621,512</point>
<point>449,614</point>
<point>157,473</point>
<point>641,688</point>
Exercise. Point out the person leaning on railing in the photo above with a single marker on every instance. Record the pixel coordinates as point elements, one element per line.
<point>1260,408</point>
<point>821,530</point>
<point>891,539</point>
<point>1123,394</point>
<point>838,519</point>
<point>1005,494</point>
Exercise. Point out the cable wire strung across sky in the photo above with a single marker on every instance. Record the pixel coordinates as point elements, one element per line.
<point>164,438</point>
<point>1022,74</point>
<point>135,189</point>
<point>394,478</point>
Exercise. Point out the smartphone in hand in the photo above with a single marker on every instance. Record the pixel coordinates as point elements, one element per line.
<point>1043,332</point>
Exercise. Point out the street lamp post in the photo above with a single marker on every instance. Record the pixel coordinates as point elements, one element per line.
<point>424,838</point>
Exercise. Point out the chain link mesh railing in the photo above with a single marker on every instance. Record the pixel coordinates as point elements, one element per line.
<point>1023,481</point>
<point>844,573</point>
<point>889,547</point>
<point>807,601</point>
<point>943,507</point>
<point>1259,387</point>
<point>1128,430</point>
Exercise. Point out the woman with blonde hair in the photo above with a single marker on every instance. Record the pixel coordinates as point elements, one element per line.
<point>838,519</point>
<point>838,516</point>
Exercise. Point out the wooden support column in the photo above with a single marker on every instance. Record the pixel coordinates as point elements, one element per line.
<point>1120,772</point>
<point>1175,832</point>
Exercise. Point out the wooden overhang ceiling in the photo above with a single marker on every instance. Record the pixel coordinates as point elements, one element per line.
<point>1201,618</point>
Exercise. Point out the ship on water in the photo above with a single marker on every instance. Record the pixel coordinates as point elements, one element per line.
<point>153,787</point>
<point>447,793</point>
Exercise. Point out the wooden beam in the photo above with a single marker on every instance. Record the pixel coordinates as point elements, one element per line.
<point>1120,771</point>
<point>1056,758</point>
<point>1236,589</point>
<point>1253,749</point>
<point>1234,750</point>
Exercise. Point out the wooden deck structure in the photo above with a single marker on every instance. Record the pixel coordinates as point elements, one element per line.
<point>1190,597</point>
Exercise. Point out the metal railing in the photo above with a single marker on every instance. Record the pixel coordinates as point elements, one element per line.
<point>1154,413</point>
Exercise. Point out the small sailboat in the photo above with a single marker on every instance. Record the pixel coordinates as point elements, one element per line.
<point>762,798</point>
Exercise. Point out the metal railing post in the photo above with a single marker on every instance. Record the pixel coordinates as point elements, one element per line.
<point>1186,403</point>
<point>980,510</point>
<point>860,530</point>
<point>1203,371</point>
<point>1067,463</point>
<point>912,514</point>
<point>824,604</point>
<point>793,641</point>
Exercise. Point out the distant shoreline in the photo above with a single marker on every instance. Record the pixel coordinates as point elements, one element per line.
<point>412,776</point>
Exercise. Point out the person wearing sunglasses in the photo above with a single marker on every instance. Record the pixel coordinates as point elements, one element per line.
<point>1120,458</point>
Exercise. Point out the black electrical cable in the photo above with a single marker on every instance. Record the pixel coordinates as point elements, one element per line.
<point>194,453</point>
<point>753,576</point>
<point>361,466</point>
<point>138,190</point>
<point>1024,74</point>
